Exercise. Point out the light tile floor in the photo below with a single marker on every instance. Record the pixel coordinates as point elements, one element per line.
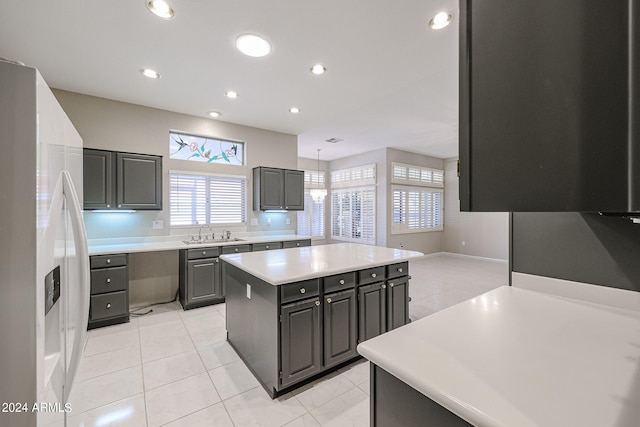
<point>174,368</point>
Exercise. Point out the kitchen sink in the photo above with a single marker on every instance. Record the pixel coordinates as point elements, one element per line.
<point>205,241</point>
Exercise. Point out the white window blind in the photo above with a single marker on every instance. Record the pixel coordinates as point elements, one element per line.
<point>359,176</point>
<point>353,214</point>
<point>416,209</point>
<point>311,220</point>
<point>416,175</point>
<point>207,199</point>
<point>313,179</point>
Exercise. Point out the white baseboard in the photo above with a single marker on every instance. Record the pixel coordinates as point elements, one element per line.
<point>481,258</point>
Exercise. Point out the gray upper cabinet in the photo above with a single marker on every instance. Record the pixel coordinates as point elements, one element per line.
<point>114,180</point>
<point>99,180</point>
<point>277,189</point>
<point>548,105</point>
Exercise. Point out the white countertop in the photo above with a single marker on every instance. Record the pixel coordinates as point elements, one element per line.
<point>296,264</point>
<point>515,357</point>
<point>171,243</point>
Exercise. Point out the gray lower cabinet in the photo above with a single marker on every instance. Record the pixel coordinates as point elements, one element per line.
<point>372,310</point>
<point>109,300</point>
<point>256,247</point>
<point>397,302</point>
<point>300,340</point>
<point>296,243</point>
<point>340,330</point>
<point>199,277</point>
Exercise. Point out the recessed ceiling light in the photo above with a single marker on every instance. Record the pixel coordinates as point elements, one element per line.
<point>252,45</point>
<point>214,114</point>
<point>318,69</point>
<point>231,94</point>
<point>441,20</point>
<point>294,110</point>
<point>148,72</point>
<point>160,8</point>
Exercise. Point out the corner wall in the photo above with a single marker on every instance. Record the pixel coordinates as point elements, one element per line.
<point>481,234</point>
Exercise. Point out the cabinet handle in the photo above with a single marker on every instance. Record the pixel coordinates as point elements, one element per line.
<point>108,279</point>
<point>303,290</point>
<point>329,300</point>
<point>236,249</point>
<point>119,206</point>
<point>108,305</point>
<point>204,252</point>
<point>400,270</point>
<point>391,284</point>
<point>374,275</point>
<point>108,260</point>
<point>342,281</point>
<point>267,247</point>
<point>217,260</point>
<point>298,244</point>
<point>108,206</point>
<point>317,302</point>
<point>384,286</point>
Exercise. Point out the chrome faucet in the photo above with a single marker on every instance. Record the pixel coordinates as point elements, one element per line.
<point>228,234</point>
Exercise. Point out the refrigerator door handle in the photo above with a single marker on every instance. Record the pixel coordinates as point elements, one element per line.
<point>81,245</point>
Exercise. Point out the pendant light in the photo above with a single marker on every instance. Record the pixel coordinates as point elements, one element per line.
<point>318,194</point>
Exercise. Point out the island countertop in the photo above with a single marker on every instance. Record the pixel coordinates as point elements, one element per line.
<point>515,357</point>
<point>297,264</point>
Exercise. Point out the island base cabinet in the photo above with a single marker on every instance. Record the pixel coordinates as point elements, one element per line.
<point>340,332</point>
<point>397,303</point>
<point>372,311</point>
<point>394,403</point>
<point>300,341</point>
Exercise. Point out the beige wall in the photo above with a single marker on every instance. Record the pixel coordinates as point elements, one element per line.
<point>118,126</point>
<point>482,234</point>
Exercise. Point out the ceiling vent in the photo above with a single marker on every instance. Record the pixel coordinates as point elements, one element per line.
<point>333,140</point>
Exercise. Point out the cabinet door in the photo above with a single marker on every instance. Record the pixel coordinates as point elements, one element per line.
<point>300,340</point>
<point>340,333</point>
<point>545,105</point>
<point>271,188</point>
<point>372,311</point>
<point>203,280</point>
<point>397,302</point>
<point>293,190</point>
<point>139,181</point>
<point>98,181</point>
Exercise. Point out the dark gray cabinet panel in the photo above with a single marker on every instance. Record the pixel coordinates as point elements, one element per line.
<point>340,331</point>
<point>199,278</point>
<point>235,249</point>
<point>296,243</point>
<point>397,303</point>
<point>372,311</point>
<point>139,181</point>
<point>114,180</point>
<point>256,247</point>
<point>99,179</point>
<point>109,301</point>
<point>546,105</point>
<point>293,190</point>
<point>300,340</point>
<point>276,189</point>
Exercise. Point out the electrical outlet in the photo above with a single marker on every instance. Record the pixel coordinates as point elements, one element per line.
<point>158,224</point>
<point>288,221</point>
<point>268,221</point>
<point>464,243</point>
<point>254,221</point>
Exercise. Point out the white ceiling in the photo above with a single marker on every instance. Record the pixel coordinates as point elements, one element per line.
<point>391,80</point>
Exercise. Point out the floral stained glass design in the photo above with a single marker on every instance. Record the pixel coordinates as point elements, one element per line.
<point>204,149</point>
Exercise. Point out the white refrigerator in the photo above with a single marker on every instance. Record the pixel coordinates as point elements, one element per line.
<point>44,262</point>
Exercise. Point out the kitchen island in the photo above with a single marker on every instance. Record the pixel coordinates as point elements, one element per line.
<point>510,357</point>
<point>296,314</point>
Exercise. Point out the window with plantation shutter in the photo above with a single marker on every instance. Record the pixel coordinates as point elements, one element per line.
<point>353,214</point>
<point>416,209</point>
<point>311,220</point>
<point>199,199</point>
<point>416,175</point>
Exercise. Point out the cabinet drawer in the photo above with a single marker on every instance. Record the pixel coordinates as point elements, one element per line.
<point>266,246</point>
<point>108,280</point>
<point>236,249</point>
<point>339,282</point>
<point>296,243</point>
<point>109,305</point>
<point>397,270</point>
<point>203,253</point>
<point>102,261</point>
<point>371,275</point>
<point>299,290</point>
